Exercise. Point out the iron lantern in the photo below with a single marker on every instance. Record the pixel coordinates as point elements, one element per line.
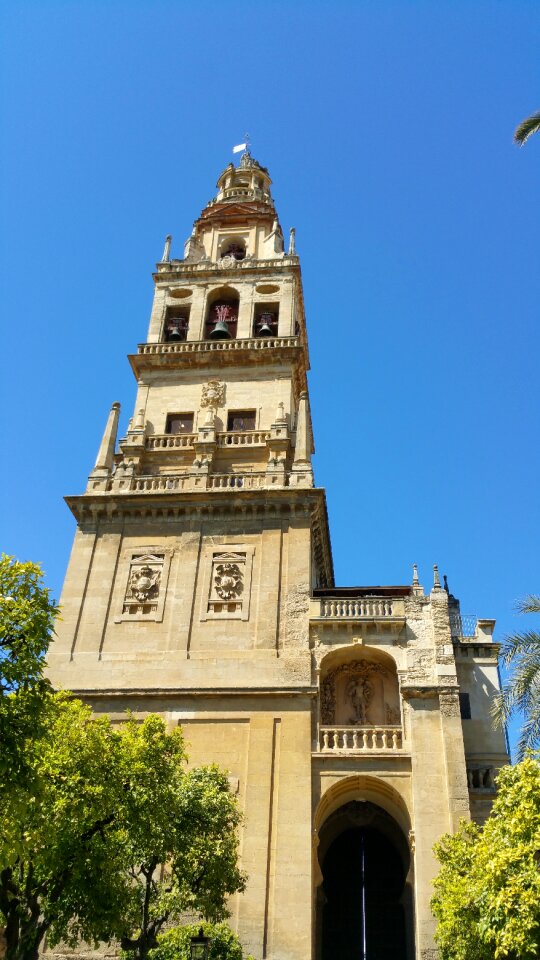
<point>200,946</point>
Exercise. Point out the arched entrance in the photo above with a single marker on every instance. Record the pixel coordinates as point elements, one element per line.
<point>364,903</point>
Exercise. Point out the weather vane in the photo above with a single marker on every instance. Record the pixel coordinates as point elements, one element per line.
<point>243,146</point>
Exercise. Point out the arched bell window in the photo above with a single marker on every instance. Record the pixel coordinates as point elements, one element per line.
<point>176,324</point>
<point>265,322</point>
<point>222,319</point>
<point>235,250</point>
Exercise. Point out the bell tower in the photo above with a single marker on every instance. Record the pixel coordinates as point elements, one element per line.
<point>201,537</point>
<point>353,721</point>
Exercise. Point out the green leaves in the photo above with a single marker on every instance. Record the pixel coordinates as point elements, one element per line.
<point>526,128</point>
<point>521,692</point>
<point>27,617</point>
<point>175,944</point>
<point>113,838</point>
<point>104,833</point>
<point>487,894</point>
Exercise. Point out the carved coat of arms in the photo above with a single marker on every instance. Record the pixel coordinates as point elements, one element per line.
<point>213,394</point>
<point>228,580</point>
<point>144,583</point>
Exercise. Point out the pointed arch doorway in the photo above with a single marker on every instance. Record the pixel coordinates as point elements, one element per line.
<point>364,904</point>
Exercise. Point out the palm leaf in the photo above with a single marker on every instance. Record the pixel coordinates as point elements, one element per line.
<point>529,604</point>
<point>527,128</point>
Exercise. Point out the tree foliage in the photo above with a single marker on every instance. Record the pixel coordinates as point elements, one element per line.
<point>175,943</point>
<point>104,810</point>
<point>520,693</point>
<point>27,616</point>
<point>526,128</point>
<point>487,893</point>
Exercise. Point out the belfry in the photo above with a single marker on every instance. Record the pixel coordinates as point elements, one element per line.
<point>353,721</point>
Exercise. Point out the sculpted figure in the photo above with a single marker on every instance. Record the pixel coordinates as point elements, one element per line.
<point>359,694</point>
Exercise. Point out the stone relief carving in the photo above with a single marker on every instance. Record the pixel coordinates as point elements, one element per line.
<point>359,691</point>
<point>392,715</point>
<point>227,583</point>
<point>228,580</point>
<point>213,394</point>
<point>144,582</point>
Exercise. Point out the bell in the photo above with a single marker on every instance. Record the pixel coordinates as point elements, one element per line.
<point>221,331</point>
<point>174,332</point>
<point>265,330</point>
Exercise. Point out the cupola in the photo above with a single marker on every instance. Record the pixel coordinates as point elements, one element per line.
<point>248,181</point>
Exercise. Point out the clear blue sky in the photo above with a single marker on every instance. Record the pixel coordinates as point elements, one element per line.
<point>387,128</point>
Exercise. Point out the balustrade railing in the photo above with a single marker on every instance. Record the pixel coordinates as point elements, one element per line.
<point>242,438</point>
<point>170,441</point>
<point>214,346</point>
<point>236,481</point>
<point>155,484</point>
<point>361,607</point>
<point>481,778</point>
<point>167,483</point>
<point>355,739</point>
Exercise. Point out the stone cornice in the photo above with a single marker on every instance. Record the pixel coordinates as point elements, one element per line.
<point>210,692</point>
<point>426,692</point>
<point>209,269</point>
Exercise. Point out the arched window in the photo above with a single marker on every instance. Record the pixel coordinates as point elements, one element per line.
<point>222,318</point>
<point>237,250</point>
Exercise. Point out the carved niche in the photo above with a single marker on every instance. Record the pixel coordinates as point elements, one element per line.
<point>360,693</point>
<point>227,584</point>
<point>144,584</point>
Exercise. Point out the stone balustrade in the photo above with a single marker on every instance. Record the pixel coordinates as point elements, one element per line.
<point>217,346</point>
<point>236,481</point>
<point>159,484</point>
<point>170,441</point>
<point>481,778</point>
<point>359,739</point>
<point>277,264</point>
<point>192,481</point>
<point>242,438</point>
<point>357,608</point>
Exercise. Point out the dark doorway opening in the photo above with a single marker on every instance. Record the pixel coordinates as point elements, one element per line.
<point>365,902</point>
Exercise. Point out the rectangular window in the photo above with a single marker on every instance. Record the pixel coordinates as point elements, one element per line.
<point>241,420</point>
<point>179,423</point>
<point>465,706</point>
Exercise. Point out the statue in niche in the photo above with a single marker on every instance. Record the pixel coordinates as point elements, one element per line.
<point>359,692</point>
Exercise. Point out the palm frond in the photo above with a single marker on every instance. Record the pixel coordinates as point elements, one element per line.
<point>526,128</point>
<point>529,738</point>
<point>521,644</point>
<point>529,604</point>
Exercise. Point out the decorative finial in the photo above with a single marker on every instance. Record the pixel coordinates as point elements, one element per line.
<point>139,420</point>
<point>436,580</point>
<point>167,249</point>
<point>445,581</point>
<point>280,413</point>
<point>415,580</point>
<point>292,245</point>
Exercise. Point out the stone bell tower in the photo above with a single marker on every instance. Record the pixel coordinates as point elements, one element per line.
<point>200,542</point>
<point>353,721</point>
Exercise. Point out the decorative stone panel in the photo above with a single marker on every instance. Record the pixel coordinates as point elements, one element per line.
<point>227,583</point>
<point>360,692</point>
<point>142,596</point>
